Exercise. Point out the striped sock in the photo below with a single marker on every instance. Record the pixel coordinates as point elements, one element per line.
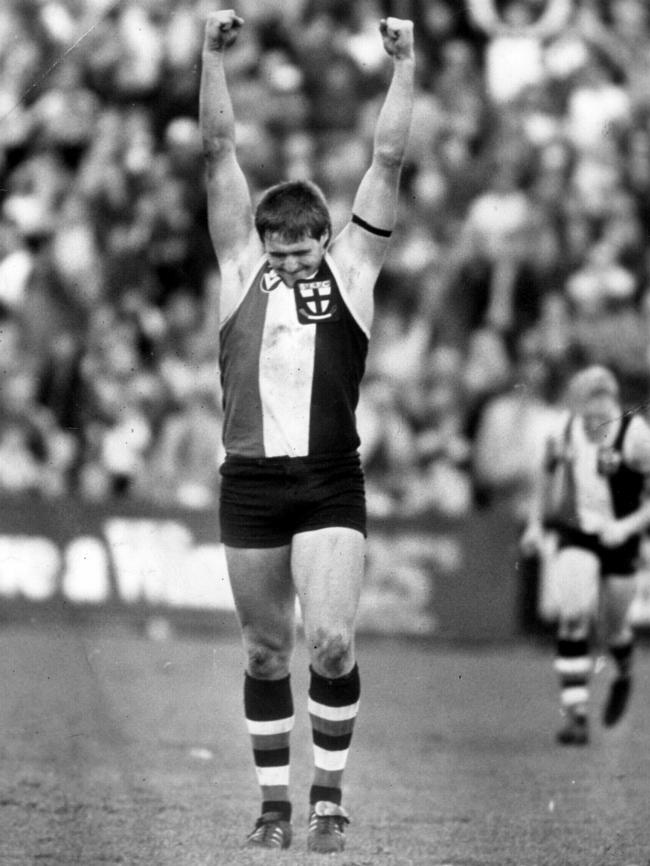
<point>573,664</point>
<point>622,655</point>
<point>268,705</point>
<point>333,707</point>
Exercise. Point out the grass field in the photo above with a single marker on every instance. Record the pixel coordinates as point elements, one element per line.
<point>121,750</point>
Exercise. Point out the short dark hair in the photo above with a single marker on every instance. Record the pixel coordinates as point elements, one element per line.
<point>293,209</point>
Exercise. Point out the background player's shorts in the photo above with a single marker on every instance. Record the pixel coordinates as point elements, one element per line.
<point>620,561</point>
<point>264,502</point>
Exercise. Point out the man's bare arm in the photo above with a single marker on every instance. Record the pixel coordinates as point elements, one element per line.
<point>376,200</point>
<point>359,250</point>
<point>230,215</point>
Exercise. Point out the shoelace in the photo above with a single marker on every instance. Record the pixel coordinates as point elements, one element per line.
<point>325,824</point>
<point>267,831</point>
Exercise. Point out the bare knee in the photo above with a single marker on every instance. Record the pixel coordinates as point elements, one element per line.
<point>574,627</point>
<point>268,659</point>
<point>331,653</point>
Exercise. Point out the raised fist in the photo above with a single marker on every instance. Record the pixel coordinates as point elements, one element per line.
<point>222,29</point>
<point>397,35</point>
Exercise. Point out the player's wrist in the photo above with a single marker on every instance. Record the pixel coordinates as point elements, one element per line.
<point>211,47</point>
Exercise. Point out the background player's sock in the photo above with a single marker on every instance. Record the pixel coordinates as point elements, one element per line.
<point>622,654</point>
<point>333,706</point>
<point>620,688</point>
<point>268,705</point>
<point>573,664</point>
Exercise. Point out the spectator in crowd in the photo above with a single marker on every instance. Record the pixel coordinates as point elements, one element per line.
<point>515,50</point>
<point>183,468</point>
<point>511,433</point>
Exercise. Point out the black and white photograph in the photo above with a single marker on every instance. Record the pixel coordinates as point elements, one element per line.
<point>325,432</point>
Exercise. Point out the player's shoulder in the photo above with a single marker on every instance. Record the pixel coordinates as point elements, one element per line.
<point>636,444</point>
<point>359,257</point>
<point>239,263</point>
<point>638,426</point>
<point>236,274</point>
<point>356,274</point>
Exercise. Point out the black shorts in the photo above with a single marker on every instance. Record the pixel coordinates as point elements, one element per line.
<point>264,502</point>
<point>620,561</point>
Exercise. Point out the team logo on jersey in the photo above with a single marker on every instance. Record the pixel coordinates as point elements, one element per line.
<point>270,281</point>
<point>315,302</point>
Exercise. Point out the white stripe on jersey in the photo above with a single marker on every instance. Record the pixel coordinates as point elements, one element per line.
<point>286,370</point>
<point>593,494</point>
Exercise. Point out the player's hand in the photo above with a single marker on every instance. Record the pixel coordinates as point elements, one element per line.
<point>397,34</point>
<point>614,533</point>
<point>222,29</point>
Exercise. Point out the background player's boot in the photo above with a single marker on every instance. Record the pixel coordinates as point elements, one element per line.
<point>271,830</point>
<point>575,731</point>
<point>326,828</point>
<point>617,700</point>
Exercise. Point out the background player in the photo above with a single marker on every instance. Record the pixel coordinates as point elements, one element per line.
<point>591,493</point>
<point>295,312</point>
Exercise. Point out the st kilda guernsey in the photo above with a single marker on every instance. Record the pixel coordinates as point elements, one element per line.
<point>291,362</point>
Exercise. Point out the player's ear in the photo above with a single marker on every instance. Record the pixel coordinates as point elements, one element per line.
<point>325,238</point>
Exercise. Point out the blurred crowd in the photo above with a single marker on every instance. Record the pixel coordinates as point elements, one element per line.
<point>520,251</point>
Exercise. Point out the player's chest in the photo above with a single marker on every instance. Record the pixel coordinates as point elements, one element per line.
<point>308,303</point>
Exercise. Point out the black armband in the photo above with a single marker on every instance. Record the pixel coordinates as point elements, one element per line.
<point>383,233</point>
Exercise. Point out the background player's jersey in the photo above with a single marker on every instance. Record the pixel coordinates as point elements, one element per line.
<point>291,364</point>
<point>589,483</point>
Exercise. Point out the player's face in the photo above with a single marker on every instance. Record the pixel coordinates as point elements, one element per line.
<point>294,261</point>
<point>598,417</point>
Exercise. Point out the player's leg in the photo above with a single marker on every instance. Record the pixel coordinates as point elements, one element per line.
<point>577,574</point>
<point>328,567</point>
<point>265,602</point>
<point>618,634</point>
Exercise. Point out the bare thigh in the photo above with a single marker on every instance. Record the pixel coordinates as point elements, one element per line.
<point>265,602</point>
<point>576,575</point>
<point>328,567</point>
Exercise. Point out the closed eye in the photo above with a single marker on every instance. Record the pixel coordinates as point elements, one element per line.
<point>281,256</point>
